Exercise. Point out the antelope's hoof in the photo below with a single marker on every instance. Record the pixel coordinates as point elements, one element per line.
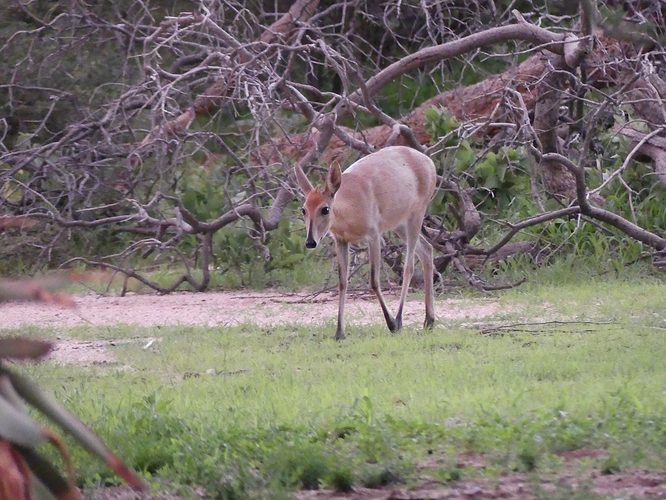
<point>394,325</point>
<point>428,323</point>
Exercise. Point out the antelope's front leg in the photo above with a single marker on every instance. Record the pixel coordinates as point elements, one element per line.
<point>342,251</point>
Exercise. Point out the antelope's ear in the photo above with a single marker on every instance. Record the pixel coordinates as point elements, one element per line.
<point>333,179</point>
<point>302,180</point>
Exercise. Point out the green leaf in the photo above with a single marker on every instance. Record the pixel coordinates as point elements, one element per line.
<point>465,156</point>
<point>189,199</point>
<point>501,171</point>
<point>68,422</point>
<point>485,169</point>
<point>431,114</point>
<point>551,205</point>
<point>214,202</point>
<point>491,182</point>
<point>18,428</point>
<point>292,259</point>
<point>29,391</point>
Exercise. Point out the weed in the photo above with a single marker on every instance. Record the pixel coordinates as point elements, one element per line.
<point>449,474</point>
<point>301,465</point>
<point>611,466</point>
<point>379,476</point>
<point>528,458</point>
<point>341,479</point>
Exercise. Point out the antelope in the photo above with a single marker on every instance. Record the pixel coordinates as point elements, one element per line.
<point>385,191</point>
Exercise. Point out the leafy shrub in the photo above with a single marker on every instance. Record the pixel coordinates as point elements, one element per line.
<point>500,178</point>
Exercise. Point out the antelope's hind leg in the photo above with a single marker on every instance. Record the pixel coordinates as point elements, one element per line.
<point>417,244</point>
<point>424,253</point>
<point>409,234</point>
<point>375,254</point>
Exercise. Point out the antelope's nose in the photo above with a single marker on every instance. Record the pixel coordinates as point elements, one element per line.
<point>310,243</point>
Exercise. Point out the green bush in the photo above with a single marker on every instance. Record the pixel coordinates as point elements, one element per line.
<point>500,178</point>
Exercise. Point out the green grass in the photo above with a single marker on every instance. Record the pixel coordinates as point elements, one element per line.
<point>249,411</point>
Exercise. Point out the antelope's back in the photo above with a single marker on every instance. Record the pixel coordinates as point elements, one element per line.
<point>393,184</point>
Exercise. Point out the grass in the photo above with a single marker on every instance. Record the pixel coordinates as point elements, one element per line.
<point>258,412</point>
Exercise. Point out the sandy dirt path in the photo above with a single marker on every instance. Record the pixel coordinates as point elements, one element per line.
<point>229,308</point>
<point>212,309</point>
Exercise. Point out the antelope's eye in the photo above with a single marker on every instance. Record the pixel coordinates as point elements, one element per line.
<point>303,211</point>
<point>325,211</point>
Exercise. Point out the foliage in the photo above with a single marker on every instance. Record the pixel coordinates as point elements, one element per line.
<point>24,472</point>
<point>500,178</point>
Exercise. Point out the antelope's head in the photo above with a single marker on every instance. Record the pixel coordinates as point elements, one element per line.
<point>317,208</point>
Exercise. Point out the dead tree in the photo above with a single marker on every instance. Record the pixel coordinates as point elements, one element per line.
<point>222,99</point>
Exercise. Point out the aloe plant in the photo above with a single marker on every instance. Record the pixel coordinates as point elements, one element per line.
<point>24,472</point>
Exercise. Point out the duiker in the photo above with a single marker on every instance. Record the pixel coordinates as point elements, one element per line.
<point>384,191</point>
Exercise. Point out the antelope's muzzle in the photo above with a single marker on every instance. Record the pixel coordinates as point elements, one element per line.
<point>310,241</point>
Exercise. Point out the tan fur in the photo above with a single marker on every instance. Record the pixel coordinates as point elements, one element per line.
<point>387,190</point>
